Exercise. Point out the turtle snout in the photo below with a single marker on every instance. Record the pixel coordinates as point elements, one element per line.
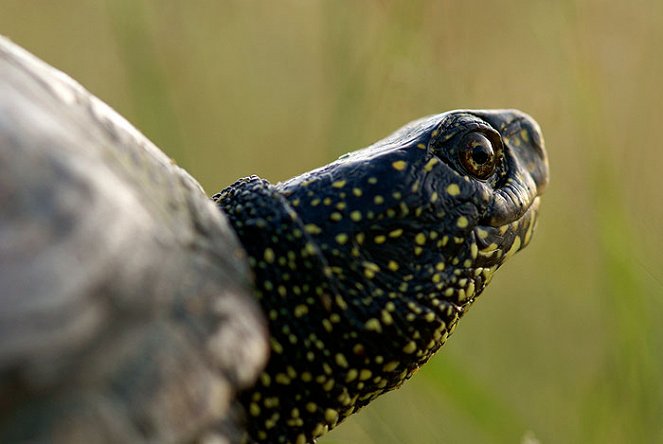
<point>525,138</point>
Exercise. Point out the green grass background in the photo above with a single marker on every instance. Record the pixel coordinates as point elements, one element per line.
<point>566,345</point>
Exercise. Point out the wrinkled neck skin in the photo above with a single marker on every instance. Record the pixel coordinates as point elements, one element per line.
<point>365,266</point>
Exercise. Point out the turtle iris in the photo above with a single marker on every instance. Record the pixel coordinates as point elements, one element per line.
<point>478,156</point>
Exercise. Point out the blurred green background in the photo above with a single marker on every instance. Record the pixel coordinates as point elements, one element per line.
<point>566,345</point>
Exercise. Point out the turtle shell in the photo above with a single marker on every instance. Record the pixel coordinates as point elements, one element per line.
<point>127,314</point>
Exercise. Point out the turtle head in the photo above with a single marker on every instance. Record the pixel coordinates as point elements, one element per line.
<point>364,267</point>
<point>430,211</point>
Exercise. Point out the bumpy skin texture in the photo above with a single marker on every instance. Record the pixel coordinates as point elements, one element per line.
<point>364,267</point>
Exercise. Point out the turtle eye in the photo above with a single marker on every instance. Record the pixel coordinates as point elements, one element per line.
<point>478,156</point>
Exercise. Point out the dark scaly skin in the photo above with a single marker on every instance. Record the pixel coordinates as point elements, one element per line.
<point>364,267</point>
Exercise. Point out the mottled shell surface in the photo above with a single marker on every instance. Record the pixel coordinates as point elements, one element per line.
<point>126,313</point>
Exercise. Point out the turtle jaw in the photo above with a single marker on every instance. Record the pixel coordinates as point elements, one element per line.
<point>498,243</point>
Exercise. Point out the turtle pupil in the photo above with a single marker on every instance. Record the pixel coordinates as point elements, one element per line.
<point>480,155</point>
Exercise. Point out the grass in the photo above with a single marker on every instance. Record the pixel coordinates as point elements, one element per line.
<point>566,344</point>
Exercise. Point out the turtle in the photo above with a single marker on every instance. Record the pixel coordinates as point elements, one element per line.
<point>135,308</point>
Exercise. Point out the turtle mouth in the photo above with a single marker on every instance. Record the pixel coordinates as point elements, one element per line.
<point>503,240</point>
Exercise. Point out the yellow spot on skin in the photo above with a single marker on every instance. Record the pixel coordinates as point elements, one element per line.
<point>356,192</point>
<point>272,402</point>
<point>430,316</point>
<point>373,180</point>
<point>470,289</point>
<point>360,238</point>
<point>373,325</point>
<point>378,200</point>
<point>393,266</point>
<point>352,375</point>
<point>331,416</point>
<point>254,409</point>
<point>341,361</point>
<point>410,347</point>
<point>301,310</point>
<point>268,255</point>
<point>433,197</point>
<point>489,249</point>
<point>301,439</point>
<point>524,134</point>
<point>355,216</point>
<point>420,238</point>
<point>336,216</point>
<point>514,247</point>
<point>396,233</point>
<point>276,347</point>
<point>380,239</point>
<point>313,229</point>
<point>439,266</point>
<point>474,250</point>
<point>341,238</point>
<point>462,222</point>
<point>482,233</point>
<point>282,379</point>
<point>340,206</point>
<point>311,407</point>
<point>390,366</point>
<point>453,190</point>
<point>386,318</point>
<point>399,165</point>
<point>430,164</point>
<point>327,201</point>
<point>338,184</point>
<point>365,374</point>
<point>421,146</point>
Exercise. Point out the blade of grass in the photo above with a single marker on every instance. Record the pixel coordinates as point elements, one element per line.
<point>154,113</point>
<point>491,415</point>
